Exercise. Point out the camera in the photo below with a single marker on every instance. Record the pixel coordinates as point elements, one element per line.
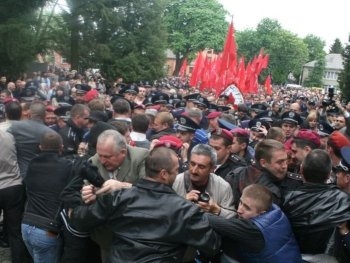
<point>89,172</point>
<point>204,197</point>
<point>329,101</point>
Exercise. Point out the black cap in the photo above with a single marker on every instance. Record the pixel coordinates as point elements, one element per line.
<point>187,124</point>
<point>265,116</point>
<point>180,104</point>
<point>129,89</point>
<point>82,88</point>
<point>148,101</point>
<point>291,117</point>
<point>201,101</point>
<point>223,108</point>
<point>98,116</point>
<point>345,161</point>
<point>160,98</point>
<point>63,111</point>
<point>212,107</point>
<point>258,107</point>
<point>192,97</point>
<point>324,129</point>
<point>255,124</point>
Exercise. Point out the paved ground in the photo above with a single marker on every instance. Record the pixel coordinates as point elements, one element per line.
<point>5,256</point>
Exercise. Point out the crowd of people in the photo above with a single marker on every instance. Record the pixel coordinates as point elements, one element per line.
<point>92,171</point>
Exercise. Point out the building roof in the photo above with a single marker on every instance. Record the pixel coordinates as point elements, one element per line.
<point>333,61</point>
<point>169,54</point>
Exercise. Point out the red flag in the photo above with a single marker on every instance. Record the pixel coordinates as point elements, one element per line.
<point>197,69</point>
<point>229,55</point>
<point>182,72</point>
<point>267,85</point>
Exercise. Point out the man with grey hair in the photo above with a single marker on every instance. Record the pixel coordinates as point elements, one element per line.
<point>145,219</point>
<point>200,185</point>
<point>27,134</point>
<point>120,165</point>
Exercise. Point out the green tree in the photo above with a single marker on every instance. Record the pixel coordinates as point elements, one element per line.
<point>193,26</point>
<point>315,46</point>
<point>344,76</point>
<point>19,41</point>
<point>122,38</point>
<point>315,77</point>
<point>336,47</point>
<point>287,52</point>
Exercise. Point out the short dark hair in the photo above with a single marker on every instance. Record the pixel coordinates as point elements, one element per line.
<point>159,158</point>
<point>140,123</point>
<point>13,110</point>
<point>216,137</point>
<point>301,143</point>
<point>265,148</point>
<point>316,166</point>
<point>121,126</point>
<point>121,106</point>
<point>51,141</point>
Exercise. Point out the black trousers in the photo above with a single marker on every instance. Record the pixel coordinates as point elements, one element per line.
<point>78,249</point>
<point>12,203</point>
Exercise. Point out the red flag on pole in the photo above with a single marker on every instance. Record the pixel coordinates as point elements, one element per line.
<point>267,85</point>
<point>197,69</point>
<point>229,54</point>
<point>182,72</point>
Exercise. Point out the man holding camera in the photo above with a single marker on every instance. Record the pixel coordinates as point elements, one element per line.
<point>200,185</point>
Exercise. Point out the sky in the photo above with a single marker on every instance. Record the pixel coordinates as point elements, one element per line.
<point>326,19</point>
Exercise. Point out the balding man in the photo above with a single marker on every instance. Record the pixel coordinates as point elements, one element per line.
<point>27,134</point>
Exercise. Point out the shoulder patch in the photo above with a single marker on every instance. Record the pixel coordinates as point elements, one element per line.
<point>295,176</point>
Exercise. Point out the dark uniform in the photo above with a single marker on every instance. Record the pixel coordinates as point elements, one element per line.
<point>244,176</point>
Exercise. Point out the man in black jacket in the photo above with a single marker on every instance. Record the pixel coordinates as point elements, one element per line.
<point>47,175</point>
<point>150,222</point>
<point>316,208</point>
<point>72,133</point>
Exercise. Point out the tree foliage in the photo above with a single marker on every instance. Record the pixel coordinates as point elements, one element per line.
<point>287,52</point>
<point>336,47</point>
<point>344,76</point>
<point>315,46</point>
<point>19,41</point>
<point>193,26</point>
<point>315,77</point>
<point>122,38</point>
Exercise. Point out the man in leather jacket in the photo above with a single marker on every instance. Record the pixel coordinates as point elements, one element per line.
<point>270,170</point>
<point>150,222</point>
<point>72,134</point>
<point>316,208</point>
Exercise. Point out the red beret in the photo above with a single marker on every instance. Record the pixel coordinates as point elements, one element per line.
<point>223,133</point>
<point>140,106</point>
<point>9,99</point>
<point>169,141</point>
<point>309,135</point>
<point>214,114</point>
<point>239,132</point>
<point>50,108</point>
<point>91,94</point>
<point>338,140</point>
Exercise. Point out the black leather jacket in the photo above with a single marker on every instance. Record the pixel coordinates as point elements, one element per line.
<point>72,136</point>
<point>150,223</point>
<point>314,210</point>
